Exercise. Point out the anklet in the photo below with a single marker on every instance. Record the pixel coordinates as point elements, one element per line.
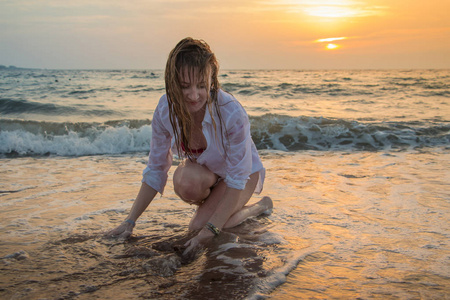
<point>130,222</point>
<point>212,228</point>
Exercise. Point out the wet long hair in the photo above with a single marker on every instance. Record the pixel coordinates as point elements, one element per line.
<point>190,55</point>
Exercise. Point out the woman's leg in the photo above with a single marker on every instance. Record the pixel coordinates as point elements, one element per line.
<point>240,213</point>
<point>194,184</point>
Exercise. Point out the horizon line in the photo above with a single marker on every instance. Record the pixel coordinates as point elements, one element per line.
<point>12,67</point>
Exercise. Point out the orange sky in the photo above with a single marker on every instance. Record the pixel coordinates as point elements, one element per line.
<point>255,34</point>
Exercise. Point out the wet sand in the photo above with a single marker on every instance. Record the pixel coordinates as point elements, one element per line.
<point>368,225</point>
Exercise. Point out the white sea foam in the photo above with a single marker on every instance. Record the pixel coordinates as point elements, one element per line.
<point>105,141</point>
<point>269,132</point>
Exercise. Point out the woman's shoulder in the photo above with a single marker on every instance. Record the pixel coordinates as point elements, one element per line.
<point>228,102</point>
<point>163,105</point>
<point>225,97</point>
<point>163,101</point>
<point>230,108</point>
<point>161,111</point>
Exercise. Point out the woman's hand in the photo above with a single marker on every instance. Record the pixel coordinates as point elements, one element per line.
<point>201,238</point>
<point>124,231</point>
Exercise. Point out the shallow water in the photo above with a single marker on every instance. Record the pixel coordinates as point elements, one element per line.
<point>357,165</point>
<point>369,225</point>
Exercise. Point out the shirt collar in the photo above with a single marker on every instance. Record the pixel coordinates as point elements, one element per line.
<point>207,118</point>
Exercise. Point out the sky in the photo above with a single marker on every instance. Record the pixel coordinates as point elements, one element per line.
<point>253,34</point>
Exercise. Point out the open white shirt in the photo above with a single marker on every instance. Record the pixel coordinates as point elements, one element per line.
<point>241,159</point>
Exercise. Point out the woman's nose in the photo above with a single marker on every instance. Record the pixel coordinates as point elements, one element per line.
<point>193,94</point>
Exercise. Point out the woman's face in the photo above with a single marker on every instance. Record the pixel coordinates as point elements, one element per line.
<point>194,89</point>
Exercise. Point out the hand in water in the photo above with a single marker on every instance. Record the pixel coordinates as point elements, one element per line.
<point>201,238</point>
<point>123,231</point>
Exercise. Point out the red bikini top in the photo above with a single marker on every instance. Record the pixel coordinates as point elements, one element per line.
<point>194,151</point>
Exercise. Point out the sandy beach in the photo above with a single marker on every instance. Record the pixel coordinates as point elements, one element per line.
<point>345,225</point>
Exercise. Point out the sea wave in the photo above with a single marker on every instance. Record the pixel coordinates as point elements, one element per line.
<point>26,138</point>
<point>274,132</point>
<point>307,133</point>
<point>325,84</point>
<point>19,106</point>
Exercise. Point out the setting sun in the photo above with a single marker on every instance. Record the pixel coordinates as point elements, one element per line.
<point>332,46</point>
<point>329,45</point>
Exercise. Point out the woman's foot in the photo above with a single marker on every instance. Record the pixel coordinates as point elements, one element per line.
<point>267,204</point>
<point>263,206</point>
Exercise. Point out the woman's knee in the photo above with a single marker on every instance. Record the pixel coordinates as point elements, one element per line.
<point>189,190</point>
<point>192,181</point>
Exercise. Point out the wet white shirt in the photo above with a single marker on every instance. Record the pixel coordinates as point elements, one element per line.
<point>242,158</point>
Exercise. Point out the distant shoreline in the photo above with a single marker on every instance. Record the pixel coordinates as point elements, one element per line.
<point>3,67</point>
<point>11,67</point>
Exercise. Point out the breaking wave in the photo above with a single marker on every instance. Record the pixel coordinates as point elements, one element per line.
<point>275,132</point>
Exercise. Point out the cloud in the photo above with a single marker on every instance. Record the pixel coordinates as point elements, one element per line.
<point>331,39</point>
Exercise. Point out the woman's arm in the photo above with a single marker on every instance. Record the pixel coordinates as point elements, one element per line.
<point>155,175</point>
<point>144,198</point>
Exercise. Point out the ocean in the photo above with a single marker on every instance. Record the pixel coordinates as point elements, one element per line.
<point>357,166</point>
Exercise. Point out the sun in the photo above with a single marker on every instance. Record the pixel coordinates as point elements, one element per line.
<point>332,46</point>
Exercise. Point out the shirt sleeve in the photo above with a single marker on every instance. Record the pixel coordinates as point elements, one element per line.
<point>239,150</point>
<point>160,157</point>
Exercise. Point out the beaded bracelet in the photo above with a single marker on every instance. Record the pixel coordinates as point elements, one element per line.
<point>212,228</point>
<point>130,222</point>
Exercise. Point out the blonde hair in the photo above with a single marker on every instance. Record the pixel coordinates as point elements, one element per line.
<point>189,55</point>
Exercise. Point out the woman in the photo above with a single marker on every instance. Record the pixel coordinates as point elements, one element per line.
<point>209,129</point>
